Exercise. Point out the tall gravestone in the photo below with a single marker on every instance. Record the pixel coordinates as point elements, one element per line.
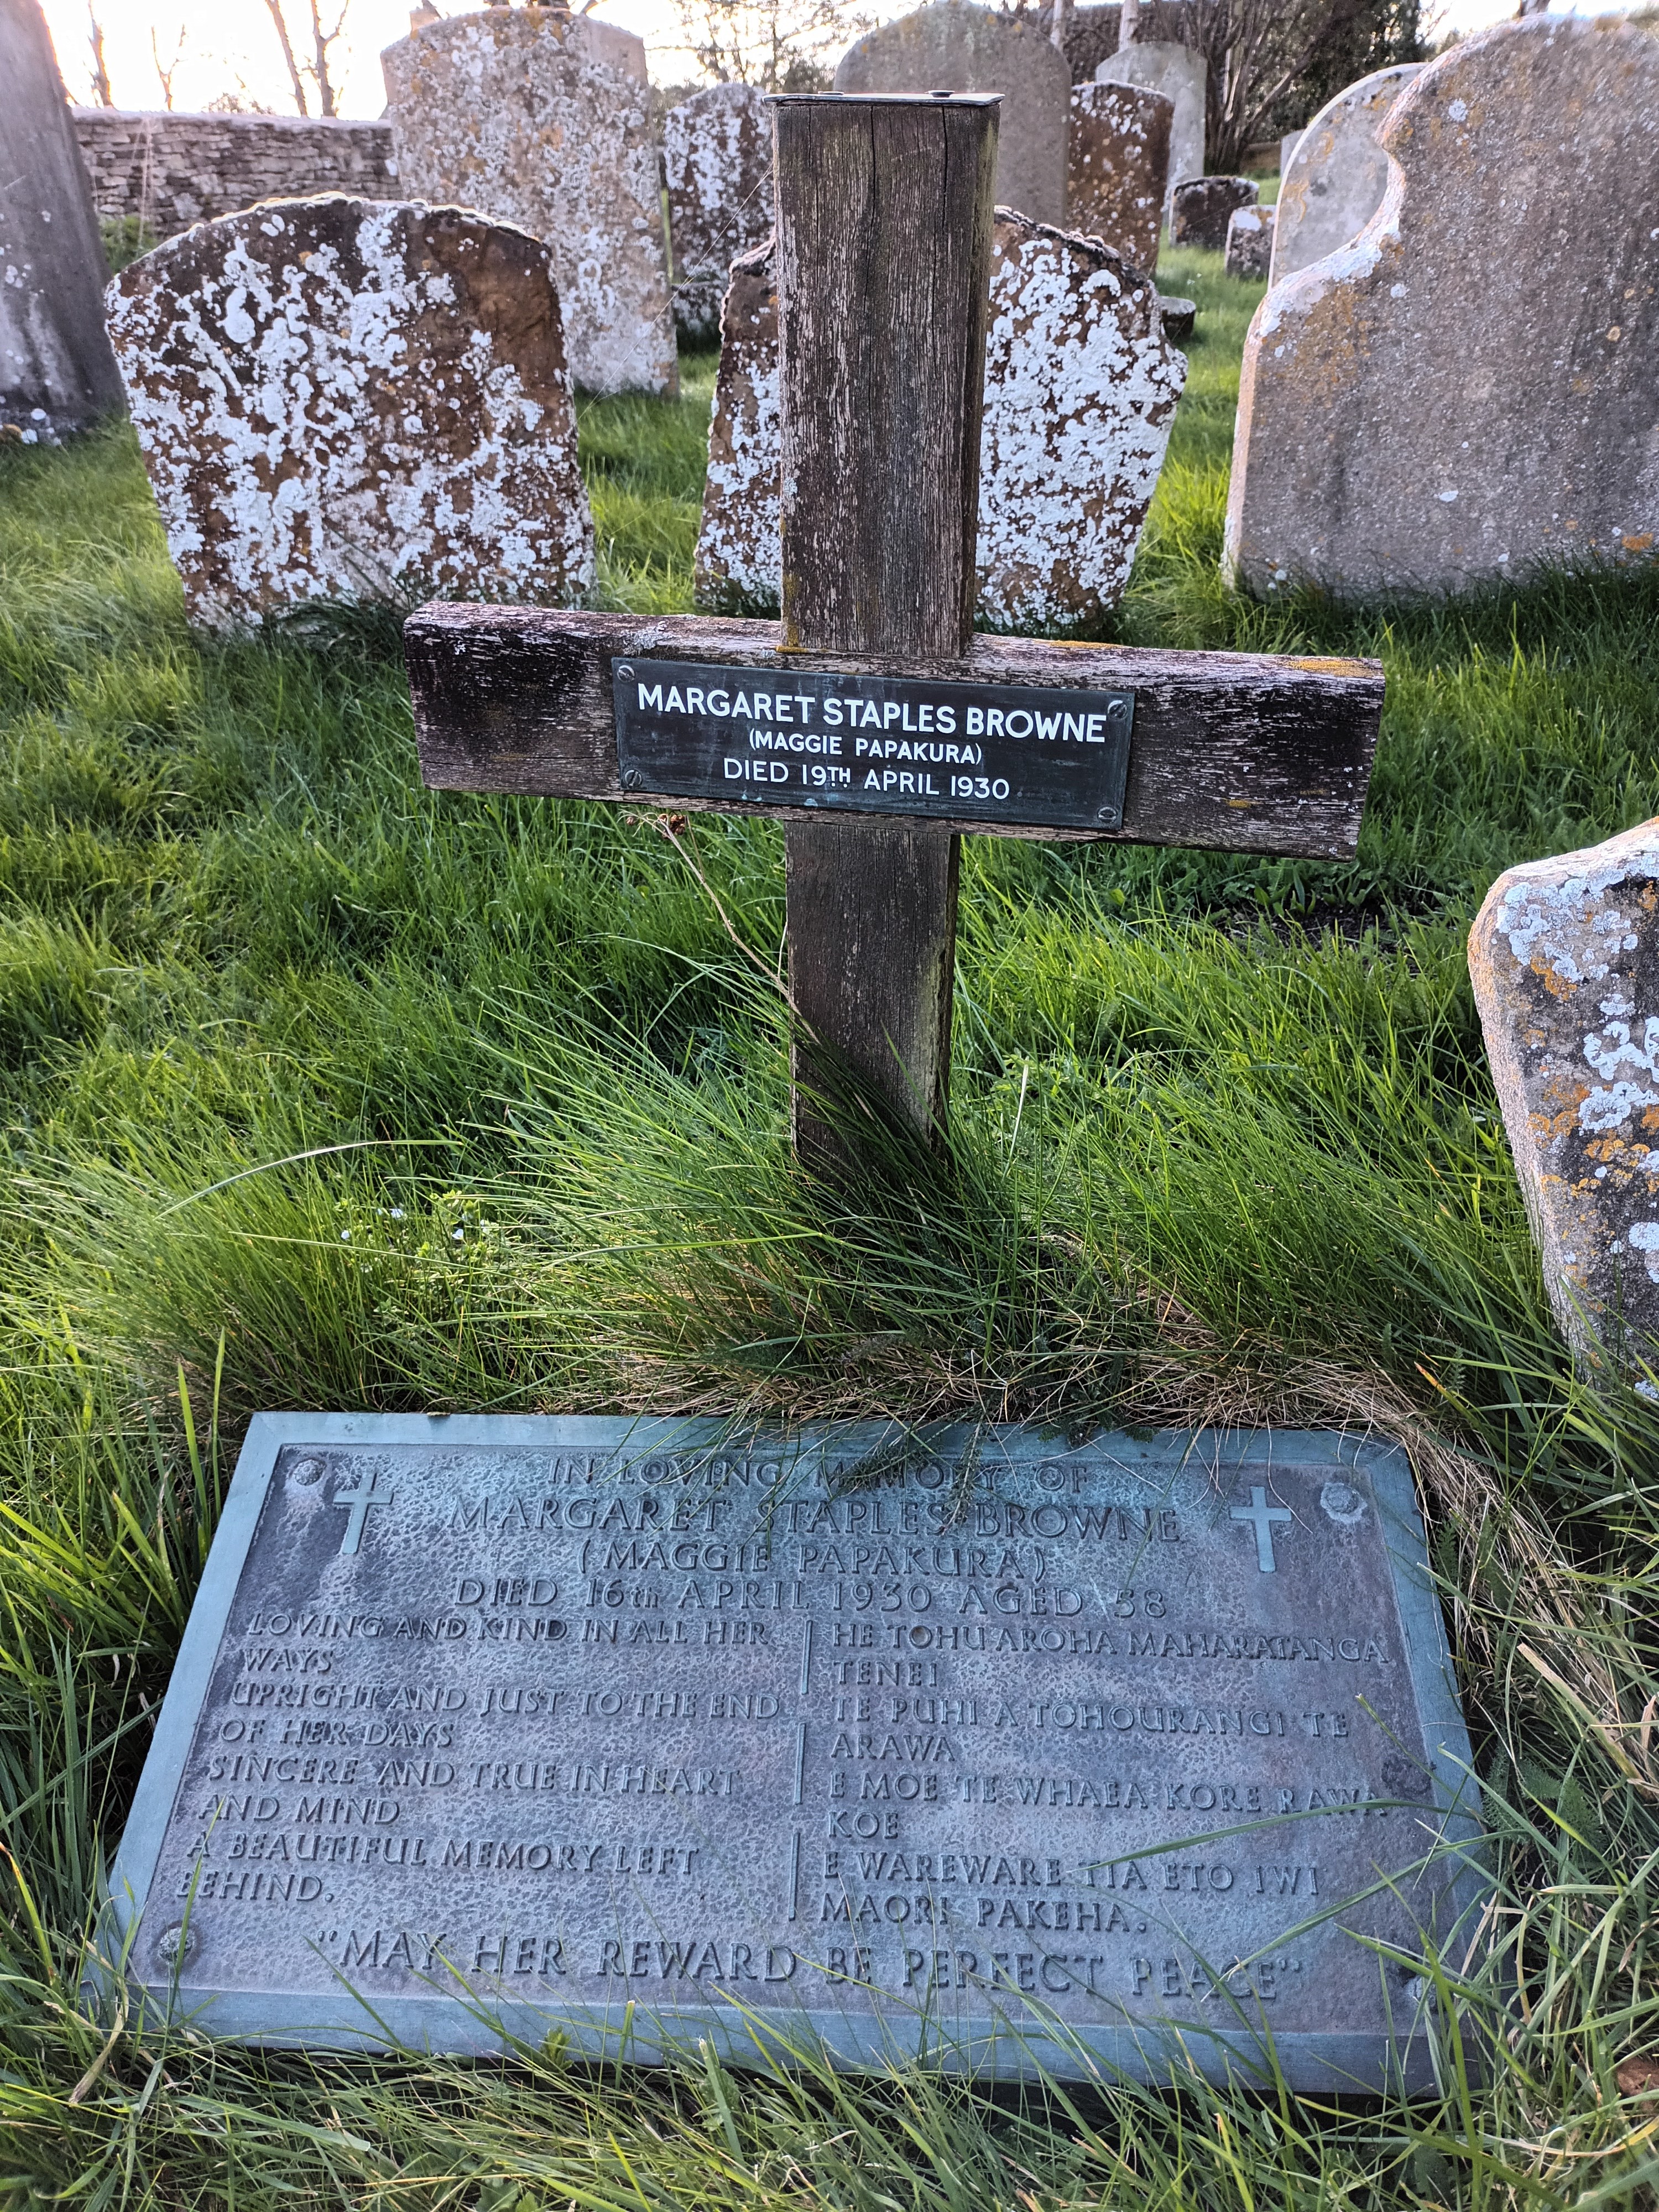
<point>1120,167</point>
<point>717,171</point>
<point>1249,249</point>
<point>953,47</point>
<point>1564,960</point>
<point>1334,183</point>
<point>1181,74</point>
<point>508,110</point>
<point>57,372</point>
<point>1467,388</point>
<point>341,397</point>
<point>1081,389</point>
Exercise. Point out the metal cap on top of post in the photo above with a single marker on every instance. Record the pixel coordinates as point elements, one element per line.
<point>884,220</point>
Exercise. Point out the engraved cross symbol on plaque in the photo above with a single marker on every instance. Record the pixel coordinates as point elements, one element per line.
<point>373,1493</point>
<point>1264,1516</point>
<point>871,721</point>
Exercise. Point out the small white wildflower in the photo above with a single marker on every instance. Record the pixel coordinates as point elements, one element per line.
<point>396,1213</point>
<point>459,1235</point>
<point>345,1236</point>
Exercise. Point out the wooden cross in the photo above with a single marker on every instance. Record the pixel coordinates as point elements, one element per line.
<point>885,218</point>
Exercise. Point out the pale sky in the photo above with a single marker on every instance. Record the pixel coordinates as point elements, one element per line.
<point>224,40</point>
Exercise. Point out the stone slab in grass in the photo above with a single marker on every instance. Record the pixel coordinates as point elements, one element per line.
<point>1564,959</point>
<point>1467,389</point>
<point>337,398</point>
<point>970,1742</point>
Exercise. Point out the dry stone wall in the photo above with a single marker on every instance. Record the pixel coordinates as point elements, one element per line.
<point>1467,388</point>
<point>170,171</point>
<point>1081,389</point>
<point>339,398</point>
<point>506,110</point>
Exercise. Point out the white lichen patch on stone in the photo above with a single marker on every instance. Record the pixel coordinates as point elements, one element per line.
<point>340,397</point>
<point>1462,344</point>
<point>1080,389</point>
<point>717,171</point>
<point>1564,959</point>
<point>510,112</point>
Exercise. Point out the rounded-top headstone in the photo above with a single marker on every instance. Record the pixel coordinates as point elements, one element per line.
<point>538,119</point>
<point>337,397</point>
<point>1181,74</point>
<point>1334,182</point>
<point>1467,389</point>
<point>952,46</point>
<point>1204,206</point>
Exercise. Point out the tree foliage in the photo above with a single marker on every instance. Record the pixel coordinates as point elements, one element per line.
<point>780,46</point>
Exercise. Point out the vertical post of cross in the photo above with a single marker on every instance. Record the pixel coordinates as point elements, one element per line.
<point>884,215</point>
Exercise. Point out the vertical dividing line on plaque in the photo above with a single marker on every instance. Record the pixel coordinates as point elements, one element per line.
<point>805,1661</point>
<point>794,1874</point>
<point>800,1759</point>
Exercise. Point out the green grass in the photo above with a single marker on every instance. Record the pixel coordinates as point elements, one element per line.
<point>1214,1160</point>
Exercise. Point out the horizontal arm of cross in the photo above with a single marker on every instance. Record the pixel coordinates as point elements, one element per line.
<point>1241,752</point>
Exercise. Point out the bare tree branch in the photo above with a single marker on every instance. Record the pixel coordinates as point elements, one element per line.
<point>167,73</point>
<point>294,77</point>
<point>103,97</point>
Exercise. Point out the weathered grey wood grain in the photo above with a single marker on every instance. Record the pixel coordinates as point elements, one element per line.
<point>884,218</point>
<point>1244,752</point>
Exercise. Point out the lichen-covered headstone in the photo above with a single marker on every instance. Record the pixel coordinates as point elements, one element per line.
<point>1203,206</point>
<point>1287,146</point>
<point>514,112</point>
<point>337,396</point>
<point>1080,388</point>
<point>57,374</point>
<point>1251,242</point>
<point>1335,181</point>
<point>739,542</point>
<point>1120,167</point>
<point>953,47</point>
<point>1468,387</point>
<point>717,169</point>
<point>1564,959</point>
<point>1181,74</point>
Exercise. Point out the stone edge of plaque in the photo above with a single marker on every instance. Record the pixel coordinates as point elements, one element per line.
<point>1318,2061</point>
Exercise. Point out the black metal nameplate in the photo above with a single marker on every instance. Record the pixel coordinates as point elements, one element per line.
<point>873,744</point>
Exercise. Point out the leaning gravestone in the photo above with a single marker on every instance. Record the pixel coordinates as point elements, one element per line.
<point>338,396</point>
<point>717,170</point>
<point>1334,182</point>
<point>1081,389</point>
<point>1564,959</point>
<point>1510,285</point>
<point>1203,206</point>
<point>955,47</point>
<point>1135,1752</point>
<point>1181,74</point>
<point>1251,242</point>
<point>1119,168</point>
<point>508,110</point>
<point>56,373</point>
